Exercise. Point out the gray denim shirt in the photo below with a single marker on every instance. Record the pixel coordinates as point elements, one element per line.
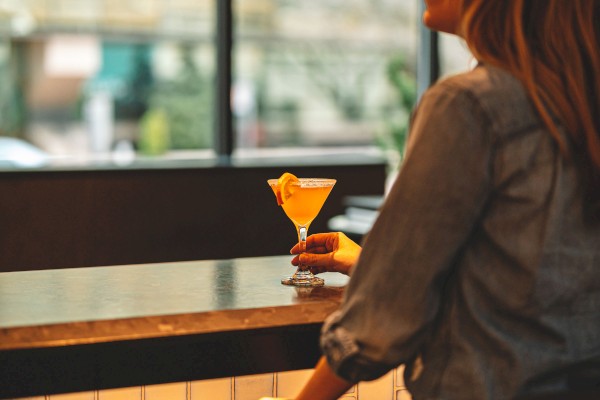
<point>481,273</point>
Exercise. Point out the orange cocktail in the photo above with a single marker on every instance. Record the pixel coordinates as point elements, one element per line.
<point>301,200</point>
<point>302,208</point>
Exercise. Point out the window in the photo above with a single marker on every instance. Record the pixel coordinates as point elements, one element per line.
<point>105,82</point>
<point>455,56</point>
<point>130,82</point>
<point>319,73</point>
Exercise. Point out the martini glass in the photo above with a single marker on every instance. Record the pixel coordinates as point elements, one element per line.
<point>302,205</point>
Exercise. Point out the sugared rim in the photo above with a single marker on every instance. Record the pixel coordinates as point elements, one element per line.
<point>303,182</point>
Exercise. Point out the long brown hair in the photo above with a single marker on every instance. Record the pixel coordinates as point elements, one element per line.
<point>553,48</point>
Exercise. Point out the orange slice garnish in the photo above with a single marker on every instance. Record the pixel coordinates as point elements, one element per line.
<point>285,187</point>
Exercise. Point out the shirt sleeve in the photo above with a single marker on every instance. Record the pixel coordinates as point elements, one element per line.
<point>395,291</point>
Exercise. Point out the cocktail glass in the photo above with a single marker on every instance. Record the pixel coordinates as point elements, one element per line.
<point>306,198</point>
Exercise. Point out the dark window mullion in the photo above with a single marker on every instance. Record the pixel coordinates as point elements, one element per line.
<point>224,133</point>
<point>428,68</point>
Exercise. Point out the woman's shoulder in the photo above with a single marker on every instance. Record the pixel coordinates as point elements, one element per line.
<point>498,93</point>
<point>486,83</point>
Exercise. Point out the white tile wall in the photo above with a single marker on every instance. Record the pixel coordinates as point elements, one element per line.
<point>167,391</point>
<point>290,383</point>
<point>131,393</point>
<point>212,389</point>
<point>253,387</point>
<point>400,377</point>
<point>74,396</point>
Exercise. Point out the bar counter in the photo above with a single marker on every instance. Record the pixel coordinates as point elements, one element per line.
<point>68,330</point>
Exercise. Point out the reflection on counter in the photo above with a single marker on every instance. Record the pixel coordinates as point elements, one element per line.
<point>318,292</point>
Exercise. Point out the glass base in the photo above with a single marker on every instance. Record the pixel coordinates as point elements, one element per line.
<point>303,278</point>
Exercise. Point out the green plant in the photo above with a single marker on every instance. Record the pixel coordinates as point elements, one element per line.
<point>187,104</point>
<point>397,114</point>
<point>154,133</point>
<point>12,104</point>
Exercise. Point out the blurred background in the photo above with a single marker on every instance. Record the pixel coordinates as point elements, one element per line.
<point>115,82</point>
<point>136,131</point>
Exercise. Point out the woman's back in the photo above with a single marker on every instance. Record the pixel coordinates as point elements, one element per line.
<point>522,305</point>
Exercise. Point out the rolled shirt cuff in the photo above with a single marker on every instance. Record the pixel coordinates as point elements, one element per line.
<point>343,353</point>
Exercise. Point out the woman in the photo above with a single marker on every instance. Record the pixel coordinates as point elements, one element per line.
<point>482,273</point>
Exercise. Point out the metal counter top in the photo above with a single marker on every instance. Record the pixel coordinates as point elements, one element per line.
<point>94,328</point>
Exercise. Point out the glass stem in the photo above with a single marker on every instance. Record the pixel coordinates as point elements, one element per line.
<point>302,233</point>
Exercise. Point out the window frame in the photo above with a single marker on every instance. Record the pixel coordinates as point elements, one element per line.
<point>224,140</point>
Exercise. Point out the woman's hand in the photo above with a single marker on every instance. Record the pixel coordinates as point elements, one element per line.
<point>327,252</point>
